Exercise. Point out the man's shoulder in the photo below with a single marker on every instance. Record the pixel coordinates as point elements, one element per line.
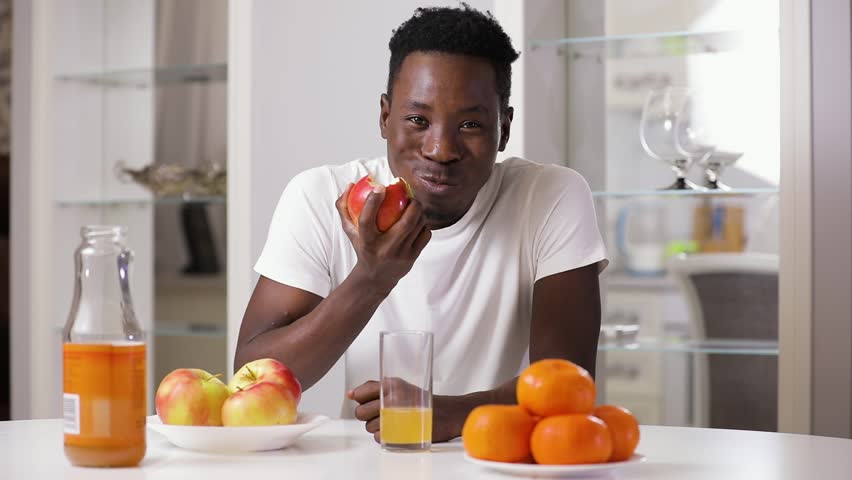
<point>354,170</point>
<point>335,178</point>
<point>521,175</point>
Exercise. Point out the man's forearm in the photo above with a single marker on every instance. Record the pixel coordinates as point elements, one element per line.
<point>312,344</point>
<point>451,411</point>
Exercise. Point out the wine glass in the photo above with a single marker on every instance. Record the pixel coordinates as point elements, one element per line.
<point>660,114</point>
<point>700,134</point>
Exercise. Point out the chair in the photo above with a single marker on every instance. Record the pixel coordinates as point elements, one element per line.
<point>732,296</point>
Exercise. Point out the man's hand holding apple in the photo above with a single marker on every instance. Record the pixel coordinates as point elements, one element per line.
<point>384,257</point>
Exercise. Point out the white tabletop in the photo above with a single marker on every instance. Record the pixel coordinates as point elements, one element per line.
<point>342,449</point>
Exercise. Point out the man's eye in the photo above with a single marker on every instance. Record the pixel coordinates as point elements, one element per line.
<point>471,124</point>
<point>417,120</point>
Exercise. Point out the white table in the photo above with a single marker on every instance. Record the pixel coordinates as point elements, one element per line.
<point>343,450</point>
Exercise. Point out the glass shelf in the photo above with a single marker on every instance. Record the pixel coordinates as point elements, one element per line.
<point>164,329</point>
<point>139,202</point>
<point>145,77</point>
<point>652,44</point>
<point>674,345</point>
<point>739,192</point>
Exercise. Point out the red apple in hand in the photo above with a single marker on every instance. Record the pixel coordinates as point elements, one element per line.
<point>191,396</point>
<point>262,403</point>
<point>266,370</point>
<point>397,196</point>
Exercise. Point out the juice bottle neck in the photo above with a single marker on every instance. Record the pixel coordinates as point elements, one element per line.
<point>102,308</point>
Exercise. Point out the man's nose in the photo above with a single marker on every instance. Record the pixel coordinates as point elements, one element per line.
<point>441,145</point>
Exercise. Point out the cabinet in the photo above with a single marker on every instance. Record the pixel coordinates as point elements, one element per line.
<point>586,73</point>
<point>112,84</point>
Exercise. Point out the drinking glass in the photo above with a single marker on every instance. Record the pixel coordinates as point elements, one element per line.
<point>660,115</point>
<point>700,133</point>
<point>405,359</point>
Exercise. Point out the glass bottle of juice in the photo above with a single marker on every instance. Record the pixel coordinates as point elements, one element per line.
<point>103,357</point>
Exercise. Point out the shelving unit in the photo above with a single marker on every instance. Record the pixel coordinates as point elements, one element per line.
<point>182,308</point>
<point>90,88</point>
<point>587,68</point>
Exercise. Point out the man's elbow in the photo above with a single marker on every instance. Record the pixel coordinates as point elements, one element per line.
<point>242,356</point>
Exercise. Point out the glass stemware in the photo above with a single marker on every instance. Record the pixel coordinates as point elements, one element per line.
<point>660,115</point>
<point>700,134</point>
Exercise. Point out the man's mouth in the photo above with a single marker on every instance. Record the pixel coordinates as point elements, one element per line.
<point>435,184</point>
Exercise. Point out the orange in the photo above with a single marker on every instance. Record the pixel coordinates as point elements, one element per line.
<point>556,387</point>
<point>571,439</point>
<point>623,428</point>
<point>499,433</point>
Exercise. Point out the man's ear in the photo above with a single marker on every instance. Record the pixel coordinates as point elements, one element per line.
<point>384,113</point>
<point>505,127</point>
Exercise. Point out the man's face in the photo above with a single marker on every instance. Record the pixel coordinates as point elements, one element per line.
<point>444,127</point>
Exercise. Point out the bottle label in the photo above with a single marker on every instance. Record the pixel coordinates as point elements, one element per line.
<point>103,400</point>
<point>71,412</point>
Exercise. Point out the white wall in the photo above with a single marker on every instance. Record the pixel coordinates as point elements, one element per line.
<point>317,71</point>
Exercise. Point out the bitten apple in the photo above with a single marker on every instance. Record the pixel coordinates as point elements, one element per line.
<point>259,404</point>
<point>266,370</point>
<point>397,197</point>
<point>191,396</point>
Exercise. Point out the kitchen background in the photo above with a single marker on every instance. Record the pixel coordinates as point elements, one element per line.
<point>162,87</point>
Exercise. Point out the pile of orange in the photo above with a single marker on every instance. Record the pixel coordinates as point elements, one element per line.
<point>555,422</point>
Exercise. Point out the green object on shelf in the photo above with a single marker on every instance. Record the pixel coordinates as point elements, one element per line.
<point>676,247</point>
<point>675,45</point>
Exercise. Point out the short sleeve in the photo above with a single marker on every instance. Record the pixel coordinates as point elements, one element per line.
<point>297,247</point>
<point>567,234</point>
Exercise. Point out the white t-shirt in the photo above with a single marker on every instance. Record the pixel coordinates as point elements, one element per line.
<point>472,285</point>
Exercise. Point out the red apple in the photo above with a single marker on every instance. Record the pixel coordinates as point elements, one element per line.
<point>191,396</point>
<point>397,196</point>
<point>261,403</point>
<point>266,370</point>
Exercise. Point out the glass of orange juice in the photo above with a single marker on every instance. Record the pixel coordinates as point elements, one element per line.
<point>405,359</point>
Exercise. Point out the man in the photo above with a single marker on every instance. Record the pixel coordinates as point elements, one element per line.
<point>492,258</point>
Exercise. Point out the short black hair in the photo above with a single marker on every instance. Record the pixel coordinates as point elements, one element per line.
<point>461,31</point>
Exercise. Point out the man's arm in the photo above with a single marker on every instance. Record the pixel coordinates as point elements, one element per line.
<point>566,319</point>
<point>290,324</point>
<point>302,330</point>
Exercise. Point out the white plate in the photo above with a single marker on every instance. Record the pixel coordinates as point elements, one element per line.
<point>237,439</point>
<point>555,471</point>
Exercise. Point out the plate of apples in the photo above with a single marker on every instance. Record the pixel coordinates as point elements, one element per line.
<point>256,411</point>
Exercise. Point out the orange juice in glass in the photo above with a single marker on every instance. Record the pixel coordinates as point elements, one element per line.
<point>406,390</point>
